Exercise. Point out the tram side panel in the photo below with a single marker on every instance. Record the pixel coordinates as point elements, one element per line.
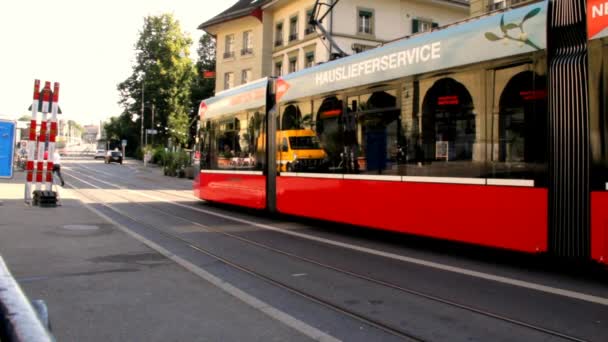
<point>598,111</point>
<point>233,188</point>
<point>504,217</point>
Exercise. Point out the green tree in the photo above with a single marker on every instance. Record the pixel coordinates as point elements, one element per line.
<point>202,88</point>
<point>164,73</point>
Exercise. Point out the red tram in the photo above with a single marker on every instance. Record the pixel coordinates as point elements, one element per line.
<point>491,132</point>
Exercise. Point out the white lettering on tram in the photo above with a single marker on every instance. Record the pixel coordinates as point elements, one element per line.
<point>599,10</point>
<point>419,54</point>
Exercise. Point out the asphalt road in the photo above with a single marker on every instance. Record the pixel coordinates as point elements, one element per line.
<point>330,281</point>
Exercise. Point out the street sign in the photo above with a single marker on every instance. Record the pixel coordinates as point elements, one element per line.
<point>7,148</point>
<point>151,131</point>
<point>123,143</point>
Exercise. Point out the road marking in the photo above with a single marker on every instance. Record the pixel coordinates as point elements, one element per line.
<point>430,264</point>
<point>250,300</point>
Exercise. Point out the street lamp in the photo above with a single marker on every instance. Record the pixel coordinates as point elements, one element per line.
<point>141,137</point>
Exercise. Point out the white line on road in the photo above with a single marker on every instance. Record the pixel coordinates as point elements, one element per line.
<point>435,265</point>
<point>250,300</point>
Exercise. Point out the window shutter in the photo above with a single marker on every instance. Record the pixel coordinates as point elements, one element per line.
<point>415,26</point>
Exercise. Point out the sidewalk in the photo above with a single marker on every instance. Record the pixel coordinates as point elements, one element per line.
<point>101,284</point>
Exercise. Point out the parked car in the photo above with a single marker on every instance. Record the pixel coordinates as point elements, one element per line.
<point>113,157</point>
<point>100,154</point>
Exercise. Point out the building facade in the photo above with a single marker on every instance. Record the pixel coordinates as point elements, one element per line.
<point>481,7</point>
<point>273,37</point>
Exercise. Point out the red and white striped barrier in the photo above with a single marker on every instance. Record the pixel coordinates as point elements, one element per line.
<point>40,164</point>
<point>31,147</point>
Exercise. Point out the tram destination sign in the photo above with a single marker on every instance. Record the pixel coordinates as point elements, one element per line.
<point>597,18</point>
<point>518,31</point>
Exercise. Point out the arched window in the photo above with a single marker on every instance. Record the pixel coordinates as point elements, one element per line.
<point>521,135</point>
<point>448,122</point>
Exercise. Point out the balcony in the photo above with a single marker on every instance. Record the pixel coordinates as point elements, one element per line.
<point>228,54</point>
<point>246,52</point>
<point>494,6</point>
<point>293,36</point>
<point>309,30</point>
<point>278,42</point>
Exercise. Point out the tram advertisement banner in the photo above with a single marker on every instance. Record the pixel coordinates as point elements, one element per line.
<point>597,19</point>
<point>249,96</point>
<point>509,33</point>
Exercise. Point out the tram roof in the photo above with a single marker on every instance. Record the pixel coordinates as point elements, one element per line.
<point>502,34</point>
<point>245,97</point>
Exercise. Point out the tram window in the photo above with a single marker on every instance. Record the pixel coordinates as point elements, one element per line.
<point>519,133</point>
<point>328,128</point>
<point>237,142</point>
<point>256,133</point>
<point>204,139</point>
<point>378,143</point>
<point>446,137</point>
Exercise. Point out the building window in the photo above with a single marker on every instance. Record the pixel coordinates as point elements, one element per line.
<point>358,48</point>
<point>278,69</point>
<point>293,64</point>
<point>228,80</point>
<point>246,76</point>
<point>310,59</point>
<point>310,29</point>
<point>293,28</point>
<point>278,36</point>
<point>423,25</point>
<point>366,22</point>
<point>247,43</point>
<point>229,50</point>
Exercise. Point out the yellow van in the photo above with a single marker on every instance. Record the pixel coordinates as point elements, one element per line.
<point>299,150</point>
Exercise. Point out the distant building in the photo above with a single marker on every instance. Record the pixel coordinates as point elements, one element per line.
<point>258,38</point>
<point>90,134</point>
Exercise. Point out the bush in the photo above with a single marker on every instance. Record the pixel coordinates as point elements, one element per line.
<point>159,156</point>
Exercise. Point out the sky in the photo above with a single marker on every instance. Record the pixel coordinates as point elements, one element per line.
<point>87,46</point>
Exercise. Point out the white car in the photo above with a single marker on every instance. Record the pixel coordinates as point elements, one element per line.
<point>100,154</point>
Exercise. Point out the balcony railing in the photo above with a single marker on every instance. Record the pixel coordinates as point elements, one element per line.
<point>278,42</point>
<point>493,6</point>
<point>293,36</point>
<point>309,30</point>
<point>246,52</point>
<point>228,54</point>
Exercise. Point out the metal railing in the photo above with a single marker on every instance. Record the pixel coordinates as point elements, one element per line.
<point>293,36</point>
<point>20,320</point>
<point>228,54</point>
<point>494,6</point>
<point>246,51</point>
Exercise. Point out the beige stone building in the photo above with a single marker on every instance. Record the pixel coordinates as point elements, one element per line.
<point>258,38</point>
<point>481,7</point>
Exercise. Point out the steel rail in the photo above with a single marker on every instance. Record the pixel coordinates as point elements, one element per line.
<point>400,288</point>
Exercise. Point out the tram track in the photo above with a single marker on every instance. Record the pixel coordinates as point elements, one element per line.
<point>396,331</point>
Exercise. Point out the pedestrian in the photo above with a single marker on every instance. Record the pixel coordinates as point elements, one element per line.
<point>57,166</point>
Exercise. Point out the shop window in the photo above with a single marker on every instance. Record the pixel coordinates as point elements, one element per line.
<point>445,137</point>
<point>372,133</point>
<point>328,114</point>
<point>520,140</point>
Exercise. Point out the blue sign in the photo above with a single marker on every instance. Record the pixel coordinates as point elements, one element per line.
<point>7,148</point>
